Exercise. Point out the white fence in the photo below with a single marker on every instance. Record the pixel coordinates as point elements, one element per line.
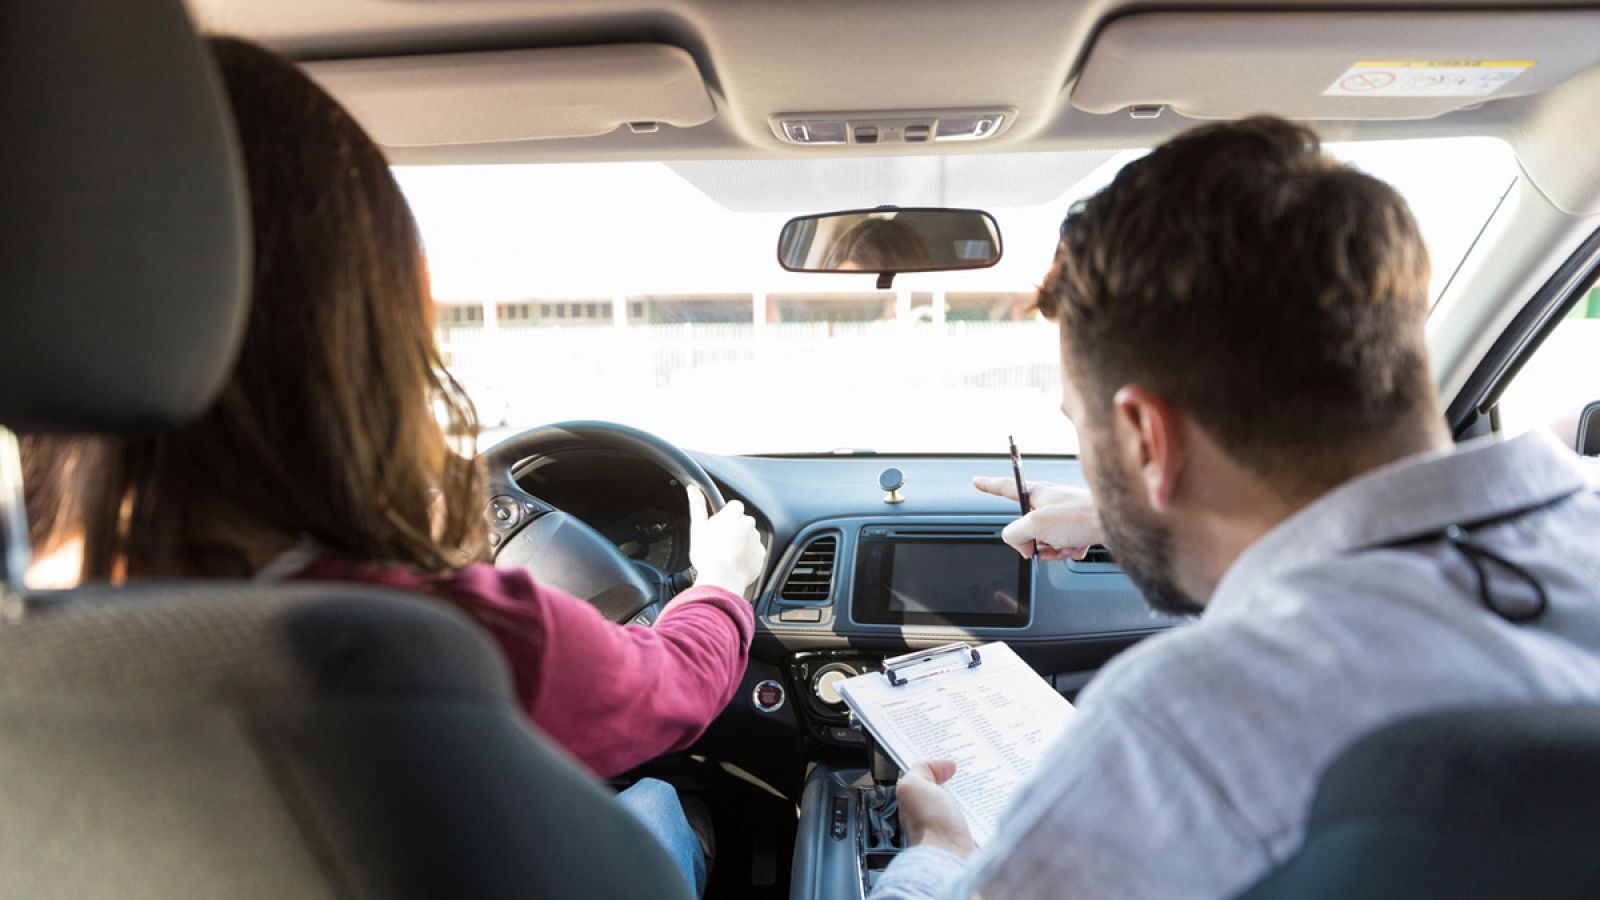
<point>887,386</point>
<point>958,386</point>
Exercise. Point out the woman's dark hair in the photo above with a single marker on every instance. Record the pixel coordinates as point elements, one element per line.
<point>327,429</point>
<point>875,244</point>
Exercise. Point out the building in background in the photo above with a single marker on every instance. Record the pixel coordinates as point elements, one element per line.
<point>787,307</point>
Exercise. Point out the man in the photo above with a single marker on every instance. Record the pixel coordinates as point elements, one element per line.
<point>1243,355</point>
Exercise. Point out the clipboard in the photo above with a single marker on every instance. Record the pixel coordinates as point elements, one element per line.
<point>906,668</point>
<point>982,707</point>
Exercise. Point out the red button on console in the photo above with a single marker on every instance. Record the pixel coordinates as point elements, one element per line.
<point>768,696</point>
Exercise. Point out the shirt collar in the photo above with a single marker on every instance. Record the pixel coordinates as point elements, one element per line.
<point>1415,496</point>
<point>291,562</point>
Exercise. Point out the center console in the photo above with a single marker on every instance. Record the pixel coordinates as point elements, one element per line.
<point>933,575</point>
<point>852,591</point>
<point>848,834</point>
<point>897,583</point>
<point>815,678</point>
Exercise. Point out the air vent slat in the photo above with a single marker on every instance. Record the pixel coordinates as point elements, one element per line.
<point>811,578</point>
<point>1099,553</point>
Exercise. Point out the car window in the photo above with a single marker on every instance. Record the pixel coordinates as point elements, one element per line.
<point>649,293</point>
<point>1560,378</point>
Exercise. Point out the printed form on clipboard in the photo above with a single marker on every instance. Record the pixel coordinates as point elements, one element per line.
<point>982,707</point>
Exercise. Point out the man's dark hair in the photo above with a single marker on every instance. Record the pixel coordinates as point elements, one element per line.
<point>1275,294</point>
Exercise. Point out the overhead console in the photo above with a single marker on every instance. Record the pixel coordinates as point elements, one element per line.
<point>894,127</point>
<point>1330,65</point>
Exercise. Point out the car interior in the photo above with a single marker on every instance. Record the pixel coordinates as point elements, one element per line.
<point>223,739</point>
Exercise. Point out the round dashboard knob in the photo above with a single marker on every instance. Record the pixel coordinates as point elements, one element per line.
<point>825,684</point>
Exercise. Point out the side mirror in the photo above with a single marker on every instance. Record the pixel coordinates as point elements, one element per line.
<point>1589,430</point>
<point>890,240</point>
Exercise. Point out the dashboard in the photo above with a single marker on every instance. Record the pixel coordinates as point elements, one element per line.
<point>852,590</point>
<point>852,577</point>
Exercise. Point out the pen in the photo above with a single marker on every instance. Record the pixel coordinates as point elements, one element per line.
<point>1016,469</point>
<point>1022,486</point>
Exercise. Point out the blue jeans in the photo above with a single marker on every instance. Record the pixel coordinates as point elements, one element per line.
<point>655,803</point>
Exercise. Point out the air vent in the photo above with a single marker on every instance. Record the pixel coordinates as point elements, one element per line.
<point>1099,553</point>
<point>811,577</point>
<point>989,531</point>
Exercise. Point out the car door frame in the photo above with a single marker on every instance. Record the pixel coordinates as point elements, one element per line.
<point>1474,411</point>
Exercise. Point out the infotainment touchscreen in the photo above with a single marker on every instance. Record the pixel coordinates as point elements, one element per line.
<point>922,581</point>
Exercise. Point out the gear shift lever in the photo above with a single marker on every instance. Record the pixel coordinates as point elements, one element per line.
<point>883,825</point>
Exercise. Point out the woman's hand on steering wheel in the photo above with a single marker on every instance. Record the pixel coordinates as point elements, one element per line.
<point>725,548</point>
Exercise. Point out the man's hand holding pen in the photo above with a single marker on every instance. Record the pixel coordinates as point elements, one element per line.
<point>1061,524</point>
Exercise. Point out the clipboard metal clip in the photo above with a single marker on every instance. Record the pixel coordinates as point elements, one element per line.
<point>904,669</point>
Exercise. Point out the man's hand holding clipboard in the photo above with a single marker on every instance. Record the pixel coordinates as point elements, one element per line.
<point>967,725</point>
<point>930,816</point>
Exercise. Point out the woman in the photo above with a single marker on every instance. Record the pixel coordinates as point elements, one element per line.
<point>323,459</point>
<point>878,245</point>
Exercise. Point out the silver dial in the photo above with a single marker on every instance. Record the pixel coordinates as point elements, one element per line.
<point>825,684</point>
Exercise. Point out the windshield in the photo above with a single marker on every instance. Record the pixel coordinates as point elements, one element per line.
<point>649,293</point>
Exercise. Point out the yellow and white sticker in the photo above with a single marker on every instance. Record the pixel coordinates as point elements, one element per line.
<point>1427,78</point>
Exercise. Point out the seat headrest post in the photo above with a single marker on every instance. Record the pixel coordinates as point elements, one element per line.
<point>14,548</point>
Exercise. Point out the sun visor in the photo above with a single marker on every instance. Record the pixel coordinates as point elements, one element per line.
<point>1324,65</point>
<point>518,95</point>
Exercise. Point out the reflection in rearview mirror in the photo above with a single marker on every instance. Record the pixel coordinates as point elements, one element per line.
<point>888,240</point>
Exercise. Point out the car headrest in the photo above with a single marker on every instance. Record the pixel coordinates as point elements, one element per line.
<point>1503,767</point>
<point>124,221</point>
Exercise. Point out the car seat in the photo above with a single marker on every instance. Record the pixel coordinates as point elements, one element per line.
<point>222,739</point>
<point>1490,803</point>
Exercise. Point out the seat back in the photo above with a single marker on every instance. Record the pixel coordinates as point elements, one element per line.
<point>213,740</point>
<point>1491,802</point>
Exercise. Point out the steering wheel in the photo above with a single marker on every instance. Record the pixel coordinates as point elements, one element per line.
<point>563,551</point>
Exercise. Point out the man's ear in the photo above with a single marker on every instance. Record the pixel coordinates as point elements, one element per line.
<point>1150,437</point>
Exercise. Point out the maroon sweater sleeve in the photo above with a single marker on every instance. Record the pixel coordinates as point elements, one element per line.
<point>613,695</point>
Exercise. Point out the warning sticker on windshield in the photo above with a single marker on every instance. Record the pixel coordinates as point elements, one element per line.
<point>1427,78</point>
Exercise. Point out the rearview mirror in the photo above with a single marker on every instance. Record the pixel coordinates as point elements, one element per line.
<point>889,240</point>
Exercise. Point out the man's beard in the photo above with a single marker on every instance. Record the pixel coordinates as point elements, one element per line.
<point>1143,547</point>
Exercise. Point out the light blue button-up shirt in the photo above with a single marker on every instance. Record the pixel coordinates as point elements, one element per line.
<point>1192,767</point>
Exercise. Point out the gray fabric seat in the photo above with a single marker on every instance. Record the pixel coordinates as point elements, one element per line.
<point>210,739</point>
<point>1492,802</point>
<point>216,740</point>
